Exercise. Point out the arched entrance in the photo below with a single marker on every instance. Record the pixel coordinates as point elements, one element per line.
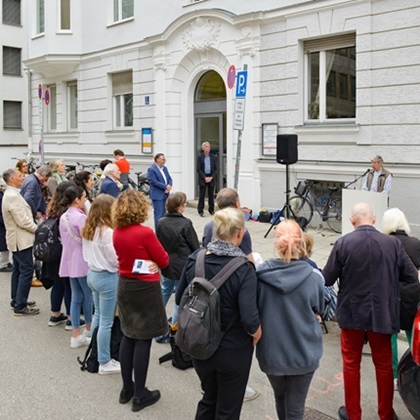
<point>210,121</point>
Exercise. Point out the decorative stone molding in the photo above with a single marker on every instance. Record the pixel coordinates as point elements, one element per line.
<point>247,45</point>
<point>202,34</point>
<point>159,58</point>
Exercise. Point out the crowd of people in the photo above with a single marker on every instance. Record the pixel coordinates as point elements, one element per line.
<point>112,264</point>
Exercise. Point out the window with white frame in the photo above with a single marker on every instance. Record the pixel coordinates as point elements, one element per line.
<point>65,16</point>
<point>12,115</point>
<point>72,105</point>
<point>330,78</point>
<point>11,12</point>
<point>12,61</point>
<point>40,16</point>
<point>123,9</point>
<point>122,94</point>
<point>52,109</point>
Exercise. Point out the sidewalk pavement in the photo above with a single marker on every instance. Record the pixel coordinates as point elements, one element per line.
<point>42,380</point>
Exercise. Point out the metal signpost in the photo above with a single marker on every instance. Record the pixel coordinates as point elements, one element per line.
<point>42,98</point>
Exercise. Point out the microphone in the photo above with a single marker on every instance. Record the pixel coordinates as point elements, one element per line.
<point>367,171</point>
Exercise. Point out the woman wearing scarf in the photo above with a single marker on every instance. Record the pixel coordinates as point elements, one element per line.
<point>225,374</point>
<point>58,176</point>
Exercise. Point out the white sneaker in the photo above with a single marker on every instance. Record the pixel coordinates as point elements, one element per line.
<point>108,368</point>
<point>79,341</point>
<point>87,333</point>
<point>250,394</point>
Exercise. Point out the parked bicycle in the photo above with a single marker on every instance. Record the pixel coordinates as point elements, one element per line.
<point>328,206</point>
<point>142,185</point>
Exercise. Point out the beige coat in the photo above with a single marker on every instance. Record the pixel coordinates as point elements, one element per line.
<point>17,216</point>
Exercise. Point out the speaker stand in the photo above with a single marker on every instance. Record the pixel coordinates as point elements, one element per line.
<point>286,210</point>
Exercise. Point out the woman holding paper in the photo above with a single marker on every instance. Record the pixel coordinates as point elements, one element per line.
<point>142,314</point>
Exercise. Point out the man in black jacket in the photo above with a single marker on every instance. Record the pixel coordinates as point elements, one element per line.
<point>206,169</point>
<point>370,266</point>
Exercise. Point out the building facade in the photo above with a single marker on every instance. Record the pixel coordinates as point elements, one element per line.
<point>342,75</point>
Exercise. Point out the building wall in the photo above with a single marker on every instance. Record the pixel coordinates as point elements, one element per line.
<point>169,48</point>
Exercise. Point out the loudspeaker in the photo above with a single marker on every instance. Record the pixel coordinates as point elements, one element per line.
<point>287,149</point>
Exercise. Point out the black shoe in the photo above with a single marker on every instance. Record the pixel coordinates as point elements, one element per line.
<point>26,311</point>
<point>201,214</point>
<point>30,303</point>
<point>125,396</point>
<point>342,413</point>
<point>211,212</point>
<point>7,269</point>
<point>150,398</point>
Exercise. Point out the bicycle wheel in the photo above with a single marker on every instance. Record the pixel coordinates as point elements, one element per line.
<point>301,207</point>
<point>334,215</point>
<point>145,188</point>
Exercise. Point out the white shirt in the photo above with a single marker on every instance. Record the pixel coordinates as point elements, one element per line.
<point>163,173</point>
<point>100,253</point>
<point>374,185</point>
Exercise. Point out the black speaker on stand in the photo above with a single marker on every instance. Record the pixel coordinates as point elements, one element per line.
<point>287,154</point>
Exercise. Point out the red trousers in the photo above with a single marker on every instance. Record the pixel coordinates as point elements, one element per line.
<point>351,349</point>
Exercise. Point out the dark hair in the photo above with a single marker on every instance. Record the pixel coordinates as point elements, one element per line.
<point>55,209</point>
<point>70,195</point>
<point>175,201</point>
<point>103,163</point>
<point>20,163</point>
<point>118,152</point>
<point>80,180</point>
<point>158,155</point>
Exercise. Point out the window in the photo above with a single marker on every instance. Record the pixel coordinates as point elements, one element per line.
<point>40,17</point>
<point>65,15</point>
<point>11,12</point>
<point>52,109</point>
<point>72,105</point>
<point>122,92</point>
<point>12,115</point>
<point>12,61</point>
<point>331,78</point>
<point>123,9</point>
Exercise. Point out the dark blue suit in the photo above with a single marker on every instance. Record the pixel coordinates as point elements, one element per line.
<point>109,187</point>
<point>203,185</point>
<point>31,191</point>
<point>157,190</point>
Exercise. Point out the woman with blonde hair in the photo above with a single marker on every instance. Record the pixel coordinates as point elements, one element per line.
<point>290,294</point>
<point>224,375</point>
<point>58,169</point>
<point>102,278</point>
<point>394,223</point>
<point>140,303</point>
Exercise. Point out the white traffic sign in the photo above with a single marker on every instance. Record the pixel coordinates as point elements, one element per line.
<point>239,116</point>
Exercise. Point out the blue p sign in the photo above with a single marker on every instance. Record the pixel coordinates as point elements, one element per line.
<point>241,84</point>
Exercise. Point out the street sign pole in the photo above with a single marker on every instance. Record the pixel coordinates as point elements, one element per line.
<point>41,124</point>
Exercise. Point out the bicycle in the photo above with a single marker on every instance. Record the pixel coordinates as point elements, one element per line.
<point>96,175</point>
<point>142,185</point>
<point>327,206</point>
<point>32,163</point>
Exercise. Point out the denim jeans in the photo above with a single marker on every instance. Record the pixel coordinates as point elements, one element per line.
<point>22,274</point>
<point>104,288</point>
<point>80,294</point>
<point>290,394</point>
<point>168,287</point>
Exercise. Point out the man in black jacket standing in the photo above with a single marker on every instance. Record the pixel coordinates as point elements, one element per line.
<point>370,266</point>
<point>206,169</point>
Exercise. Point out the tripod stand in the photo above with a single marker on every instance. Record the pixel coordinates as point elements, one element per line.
<point>286,210</point>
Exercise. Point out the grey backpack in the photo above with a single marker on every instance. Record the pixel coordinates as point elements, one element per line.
<point>199,326</point>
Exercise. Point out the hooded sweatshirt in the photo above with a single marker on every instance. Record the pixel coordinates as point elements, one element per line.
<point>289,297</point>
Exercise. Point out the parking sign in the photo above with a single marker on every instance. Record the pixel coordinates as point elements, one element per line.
<point>241,80</point>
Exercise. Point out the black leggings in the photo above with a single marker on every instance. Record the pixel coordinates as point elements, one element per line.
<point>134,355</point>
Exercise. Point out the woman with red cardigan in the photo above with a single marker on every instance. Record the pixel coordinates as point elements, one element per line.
<point>141,310</point>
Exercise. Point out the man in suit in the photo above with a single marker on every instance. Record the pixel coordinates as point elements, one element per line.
<point>20,235</point>
<point>206,169</point>
<point>371,267</point>
<point>110,184</point>
<point>160,186</point>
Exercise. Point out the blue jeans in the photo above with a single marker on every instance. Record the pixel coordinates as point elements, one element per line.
<point>290,393</point>
<point>80,294</point>
<point>104,288</point>
<point>168,287</point>
<point>23,271</point>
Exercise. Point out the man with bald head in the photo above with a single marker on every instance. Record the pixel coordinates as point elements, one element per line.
<point>369,266</point>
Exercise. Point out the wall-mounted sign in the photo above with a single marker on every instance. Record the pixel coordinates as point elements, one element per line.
<point>146,140</point>
<point>269,139</point>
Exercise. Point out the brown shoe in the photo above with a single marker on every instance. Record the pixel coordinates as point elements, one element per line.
<point>36,283</point>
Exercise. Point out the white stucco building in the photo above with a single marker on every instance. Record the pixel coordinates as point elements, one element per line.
<point>343,75</point>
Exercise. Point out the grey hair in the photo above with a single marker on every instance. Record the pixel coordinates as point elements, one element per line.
<point>110,168</point>
<point>44,170</point>
<point>204,143</point>
<point>378,159</point>
<point>54,164</point>
<point>8,173</point>
<point>393,220</point>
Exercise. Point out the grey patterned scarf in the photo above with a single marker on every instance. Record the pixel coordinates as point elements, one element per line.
<point>225,248</point>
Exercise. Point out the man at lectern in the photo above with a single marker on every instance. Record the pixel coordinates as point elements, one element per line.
<point>378,179</point>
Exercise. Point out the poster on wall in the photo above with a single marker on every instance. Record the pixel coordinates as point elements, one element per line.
<point>269,139</point>
<point>146,140</point>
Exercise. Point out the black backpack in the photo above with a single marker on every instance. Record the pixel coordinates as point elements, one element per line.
<point>47,245</point>
<point>180,359</point>
<point>199,326</point>
<point>90,361</point>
